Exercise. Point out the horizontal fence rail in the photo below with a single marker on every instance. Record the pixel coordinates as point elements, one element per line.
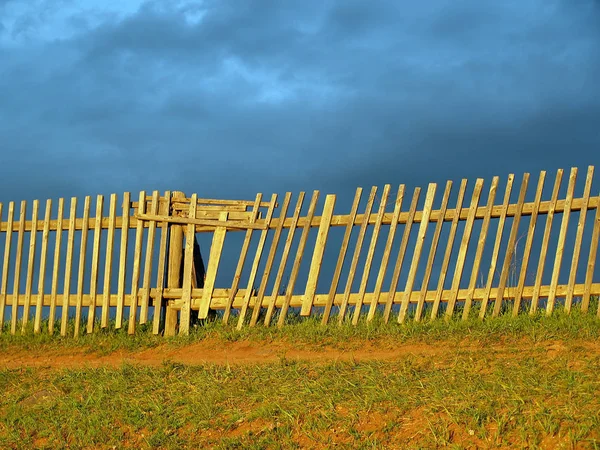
<point>459,250</point>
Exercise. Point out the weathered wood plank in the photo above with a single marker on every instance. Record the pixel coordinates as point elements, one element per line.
<point>6,261</point>
<point>123,261</point>
<point>37,323</point>
<point>56,266</point>
<point>30,265</point>
<point>412,273</point>
<point>18,263</point>
<point>110,244</point>
<point>148,261</point>
<point>510,248</point>
<point>386,253</point>
<point>95,265</point>
<point>545,242</point>
<point>401,252</point>
<point>162,261</point>
<point>271,258</point>
<point>200,222</point>
<point>497,243</point>
<point>255,264</point>
<point>341,257</point>
<point>188,268</point>
<point>462,251</point>
<point>284,257</point>
<point>68,267</point>
<point>81,271</point>
<point>579,239</point>
<point>480,247</point>
<point>214,258</point>
<point>137,262</point>
<point>449,245</point>
<point>370,253</point>
<point>528,245</point>
<point>561,242</point>
<point>221,295</point>
<point>342,220</point>
<point>432,251</point>
<point>317,257</point>
<point>242,259</point>
<point>591,264</point>
<point>298,260</point>
<point>337,220</point>
<point>356,256</point>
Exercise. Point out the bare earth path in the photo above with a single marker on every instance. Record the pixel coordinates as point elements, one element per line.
<point>252,352</point>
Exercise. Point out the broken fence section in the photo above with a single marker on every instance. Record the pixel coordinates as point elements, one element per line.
<point>458,250</point>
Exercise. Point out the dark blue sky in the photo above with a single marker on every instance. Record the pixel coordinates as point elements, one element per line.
<point>227,98</point>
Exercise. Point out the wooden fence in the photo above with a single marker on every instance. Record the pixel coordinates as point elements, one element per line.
<point>138,262</point>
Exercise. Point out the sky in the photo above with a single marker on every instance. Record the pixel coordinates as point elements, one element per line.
<point>227,98</point>
<point>231,97</point>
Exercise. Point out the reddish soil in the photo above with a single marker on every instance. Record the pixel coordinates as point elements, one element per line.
<point>245,352</point>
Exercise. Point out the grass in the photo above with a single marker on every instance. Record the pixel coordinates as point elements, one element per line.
<point>480,398</point>
<point>309,331</point>
<point>539,389</point>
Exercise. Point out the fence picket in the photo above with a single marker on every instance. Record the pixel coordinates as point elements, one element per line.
<point>18,263</point>
<point>510,248</point>
<point>123,260</point>
<point>412,273</point>
<point>449,245</point>
<point>284,257</point>
<point>480,247</point>
<point>6,262</point>
<point>255,264</point>
<point>214,257</point>
<point>462,251</point>
<point>561,241</point>
<point>371,251</point>
<point>37,323</point>
<point>242,259</point>
<point>162,262</point>
<point>356,256</point>
<point>270,259</point>
<point>497,242</point>
<point>56,265</point>
<point>528,244</point>
<point>188,266</point>
<point>432,251</point>
<point>401,252</point>
<point>341,257</point>
<point>545,241</point>
<point>30,265</point>
<point>579,239</point>
<point>137,262</point>
<point>299,254</point>
<point>95,263</point>
<point>317,258</point>
<point>68,268</point>
<point>386,253</point>
<point>110,244</point>
<point>145,300</point>
<point>81,272</point>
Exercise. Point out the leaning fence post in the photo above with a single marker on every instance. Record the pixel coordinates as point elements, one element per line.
<point>175,259</point>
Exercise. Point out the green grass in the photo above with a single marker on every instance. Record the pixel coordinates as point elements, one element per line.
<point>516,394</point>
<point>310,332</point>
<point>480,398</point>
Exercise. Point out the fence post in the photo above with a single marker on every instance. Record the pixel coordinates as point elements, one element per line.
<point>174,273</point>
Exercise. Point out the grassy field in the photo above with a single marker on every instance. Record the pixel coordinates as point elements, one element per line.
<point>528,382</point>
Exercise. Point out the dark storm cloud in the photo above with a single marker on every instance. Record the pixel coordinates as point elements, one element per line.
<point>277,96</point>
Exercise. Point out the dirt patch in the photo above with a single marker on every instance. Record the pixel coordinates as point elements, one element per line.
<point>252,352</point>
